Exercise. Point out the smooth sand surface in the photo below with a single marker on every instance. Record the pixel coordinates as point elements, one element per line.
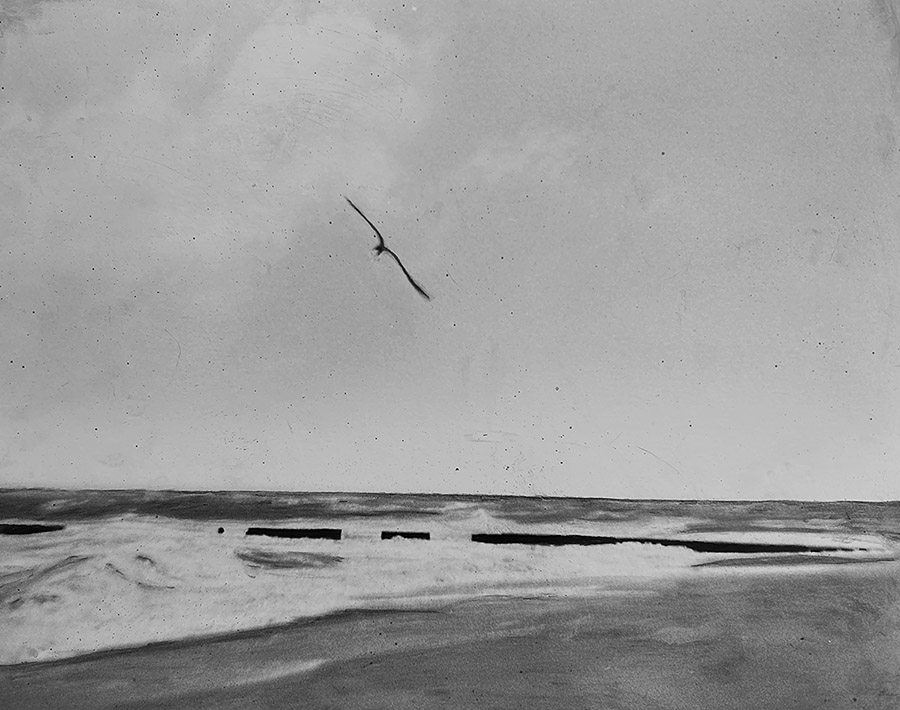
<point>828,638</point>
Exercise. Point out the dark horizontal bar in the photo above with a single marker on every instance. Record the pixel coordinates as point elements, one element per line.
<point>315,533</point>
<point>23,529</point>
<point>696,545</point>
<point>388,534</point>
<point>750,547</point>
<point>532,539</point>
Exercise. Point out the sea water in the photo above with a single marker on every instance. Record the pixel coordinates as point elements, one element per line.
<point>136,567</point>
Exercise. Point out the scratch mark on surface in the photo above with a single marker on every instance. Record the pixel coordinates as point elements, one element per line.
<point>659,459</point>
<point>177,344</point>
<point>368,45</point>
<point>837,243</point>
<point>398,76</point>
<point>162,165</point>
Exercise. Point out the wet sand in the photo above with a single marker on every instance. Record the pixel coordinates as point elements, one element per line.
<point>823,638</point>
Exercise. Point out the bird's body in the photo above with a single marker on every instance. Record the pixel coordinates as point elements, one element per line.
<point>380,248</point>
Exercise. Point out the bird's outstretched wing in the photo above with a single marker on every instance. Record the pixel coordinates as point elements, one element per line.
<point>360,213</point>
<point>412,281</point>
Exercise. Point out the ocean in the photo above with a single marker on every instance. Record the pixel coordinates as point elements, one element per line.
<point>130,568</point>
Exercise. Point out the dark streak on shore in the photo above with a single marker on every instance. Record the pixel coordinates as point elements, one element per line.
<point>27,529</point>
<point>695,545</point>
<point>786,560</point>
<point>287,560</point>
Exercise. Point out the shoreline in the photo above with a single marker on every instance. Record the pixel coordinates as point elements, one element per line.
<point>707,642</point>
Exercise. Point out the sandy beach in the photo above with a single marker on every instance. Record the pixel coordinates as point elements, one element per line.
<point>770,639</point>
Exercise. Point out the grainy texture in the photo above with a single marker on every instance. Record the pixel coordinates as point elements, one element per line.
<point>792,641</point>
<point>659,239</point>
<point>368,622</point>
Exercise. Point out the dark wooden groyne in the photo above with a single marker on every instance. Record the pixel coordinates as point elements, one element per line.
<point>695,545</point>
<point>27,528</point>
<point>308,533</point>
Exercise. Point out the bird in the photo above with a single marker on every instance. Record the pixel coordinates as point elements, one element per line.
<point>380,248</point>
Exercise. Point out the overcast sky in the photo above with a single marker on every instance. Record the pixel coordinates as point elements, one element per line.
<point>662,241</point>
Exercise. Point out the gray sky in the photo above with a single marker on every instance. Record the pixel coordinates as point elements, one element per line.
<point>661,240</point>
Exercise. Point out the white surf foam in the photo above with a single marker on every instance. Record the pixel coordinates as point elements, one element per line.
<point>133,581</point>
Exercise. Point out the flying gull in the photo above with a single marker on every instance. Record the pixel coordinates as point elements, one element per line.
<point>380,247</point>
